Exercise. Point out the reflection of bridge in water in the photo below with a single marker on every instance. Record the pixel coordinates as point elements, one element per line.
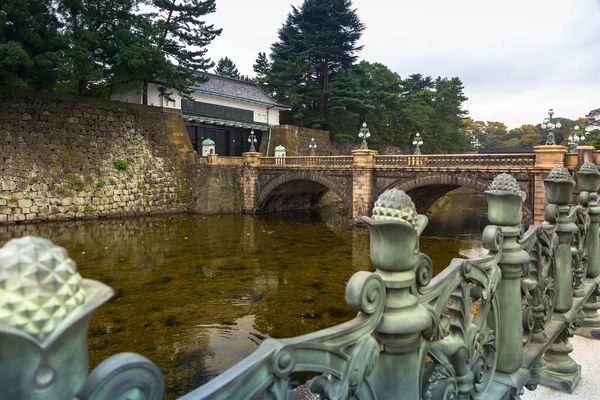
<point>275,184</point>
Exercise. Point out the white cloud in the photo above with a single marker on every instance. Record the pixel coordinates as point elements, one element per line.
<point>516,58</point>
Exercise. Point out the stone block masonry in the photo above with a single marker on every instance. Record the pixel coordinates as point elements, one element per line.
<point>216,189</point>
<point>58,157</point>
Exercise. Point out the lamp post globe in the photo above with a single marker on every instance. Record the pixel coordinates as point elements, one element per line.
<point>364,134</point>
<point>417,142</point>
<point>574,139</point>
<point>252,140</point>
<point>312,146</point>
<point>548,123</point>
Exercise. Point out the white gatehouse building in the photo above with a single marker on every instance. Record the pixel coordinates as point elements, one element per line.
<point>222,109</point>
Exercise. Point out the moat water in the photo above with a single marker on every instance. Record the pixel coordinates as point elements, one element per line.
<point>196,294</point>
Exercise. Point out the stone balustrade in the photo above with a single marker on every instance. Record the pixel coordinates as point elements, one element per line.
<point>326,161</point>
<point>484,328</point>
<point>452,160</point>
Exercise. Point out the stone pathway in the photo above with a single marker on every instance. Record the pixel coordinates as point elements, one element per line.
<point>586,352</point>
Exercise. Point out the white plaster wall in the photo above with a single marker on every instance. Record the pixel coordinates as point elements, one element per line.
<point>155,99</point>
<point>127,97</point>
<point>260,111</point>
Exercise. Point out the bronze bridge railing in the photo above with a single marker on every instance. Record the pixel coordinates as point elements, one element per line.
<point>484,328</point>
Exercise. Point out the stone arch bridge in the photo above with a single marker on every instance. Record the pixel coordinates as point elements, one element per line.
<point>274,184</point>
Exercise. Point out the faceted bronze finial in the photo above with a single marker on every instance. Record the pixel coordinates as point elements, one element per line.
<point>39,285</point>
<point>505,183</point>
<point>588,168</point>
<point>559,174</point>
<point>394,204</point>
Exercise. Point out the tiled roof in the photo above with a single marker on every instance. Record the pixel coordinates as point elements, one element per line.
<point>243,90</point>
<point>593,113</point>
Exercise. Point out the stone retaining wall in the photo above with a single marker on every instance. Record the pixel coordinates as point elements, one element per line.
<point>59,156</point>
<point>216,189</point>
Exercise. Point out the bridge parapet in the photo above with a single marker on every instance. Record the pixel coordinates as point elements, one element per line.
<point>483,328</point>
<point>308,161</point>
<point>456,160</point>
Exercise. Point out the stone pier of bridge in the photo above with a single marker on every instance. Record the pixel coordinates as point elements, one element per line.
<point>301,182</point>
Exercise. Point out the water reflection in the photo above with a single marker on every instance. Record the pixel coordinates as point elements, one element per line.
<point>196,294</point>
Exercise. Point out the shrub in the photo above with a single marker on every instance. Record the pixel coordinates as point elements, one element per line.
<point>34,180</point>
<point>99,184</point>
<point>220,208</point>
<point>121,164</point>
<point>75,182</point>
<point>88,209</point>
<point>60,190</point>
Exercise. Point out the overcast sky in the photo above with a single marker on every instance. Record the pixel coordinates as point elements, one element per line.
<point>516,58</point>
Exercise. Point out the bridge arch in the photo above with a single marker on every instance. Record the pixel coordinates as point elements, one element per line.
<point>425,190</point>
<point>299,190</point>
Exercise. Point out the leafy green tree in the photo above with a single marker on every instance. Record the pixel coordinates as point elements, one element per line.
<point>317,40</point>
<point>525,136</point>
<point>471,128</point>
<point>593,138</point>
<point>384,90</point>
<point>226,67</point>
<point>496,133</point>
<point>31,44</point>
<point>561,134</point>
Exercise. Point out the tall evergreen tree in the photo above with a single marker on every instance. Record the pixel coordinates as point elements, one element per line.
<point>226,67</point>
<point>92,27</point>
<point>177,39</point>
<point>318,39</point>
<point>262,67</point>
<point>444,128</point>
<point>31,44</point>
<point>417,82</point>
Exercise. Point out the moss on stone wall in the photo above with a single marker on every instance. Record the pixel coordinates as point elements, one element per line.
<point>54,148</point>
<point>216,189</point>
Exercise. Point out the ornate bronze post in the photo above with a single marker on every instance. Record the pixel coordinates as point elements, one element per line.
<point>559,192</point>
<point>45,308</point>
<point>588,180</point>
<point>505,202</point>
<point>563,373</point>
<point>394,248</point>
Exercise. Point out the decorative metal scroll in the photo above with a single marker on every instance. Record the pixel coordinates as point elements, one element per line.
<point>579,217</point>
<point>537,287</point>
<point>345,354</point>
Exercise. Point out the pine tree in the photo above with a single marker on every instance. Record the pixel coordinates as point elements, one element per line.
<point>317,40</point>
<point>92,28</point>
<point>443,130</point>
<point>177,40</point>
<point>226,67</point>
<point>31,44</point>
<point>262,68</point>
